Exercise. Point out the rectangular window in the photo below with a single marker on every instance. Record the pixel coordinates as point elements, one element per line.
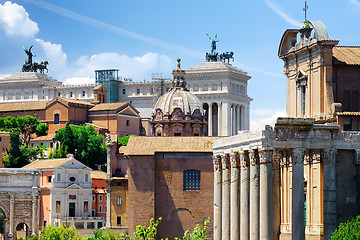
<point>0,139</point>
<point>93,213</point>
<point>124,91</point>
<point>152,90</point>
<point>177,134</point>
<point>45,223</point>
<point>57,206</point>
<point>49,178</point>
<point>119,201</point>
<point>118,221</point>
<point>105,208</point>
<point>94,198</point>
<point>86,206</point>
<point>138,91</point>
<point>347,124</point>
<point>191,180</point>
<point>59,94</point>
<point>127,123</point>
<point>83,93</point>
<point>71,94</point>
<point>100,198</point>
<point>100,208</point>
<point>105,198</point>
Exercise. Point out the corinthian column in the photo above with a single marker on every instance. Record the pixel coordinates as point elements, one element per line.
<point>244,195</point>
<point>297,194</point>
<point>330,213</point>
<point>11,226</point>
<point>217,197</point>
<point>254,195</point>
<point>276,200</point>
<point>234,202</point>
<point>34,215</point>
<point>210,122</point>
<point>266,220</point>
<point>225,225</point>
<point>108,181</point>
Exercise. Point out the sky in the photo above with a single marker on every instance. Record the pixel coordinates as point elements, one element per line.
<point>142,37</point>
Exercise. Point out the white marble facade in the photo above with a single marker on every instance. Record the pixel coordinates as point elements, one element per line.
<point>221,87</point>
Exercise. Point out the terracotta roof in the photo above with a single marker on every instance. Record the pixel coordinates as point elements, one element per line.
<point>140,145</point>
<point>46,164</point>
<point>347,54</point>
<point>23,106</point>
<point>108,106</point>
<point>348,113</point>
<point>69,101</point>
<point>97,174</point>
<point>48,137</point>
<point>99,87</point>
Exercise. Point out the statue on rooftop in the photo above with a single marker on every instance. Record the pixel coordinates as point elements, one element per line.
<point>213,43</point>
<point>29,66</point>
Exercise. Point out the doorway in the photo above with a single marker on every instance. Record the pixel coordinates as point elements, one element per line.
<point>71,209</point>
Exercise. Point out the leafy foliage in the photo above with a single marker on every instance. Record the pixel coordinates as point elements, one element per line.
<point>58,233</point>
<point>349,230</point>
<point>87,146</point>
<point>197,233</point>
<point>42,129</point>
<point>125,139</point>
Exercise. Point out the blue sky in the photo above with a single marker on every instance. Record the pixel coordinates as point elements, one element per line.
<point>143,37</point>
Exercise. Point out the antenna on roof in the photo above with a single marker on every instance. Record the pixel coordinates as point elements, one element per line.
<point>306,7</point>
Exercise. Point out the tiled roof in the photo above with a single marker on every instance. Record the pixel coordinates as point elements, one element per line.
<point>108,106</point>
<point>348,113</point>
<point>23,106</point>
<point>140,145</point>
<point>69,101</point>
<point>46,164</point>
<point>347,54</point>
<point>48,137</point>
<point>97,174</point>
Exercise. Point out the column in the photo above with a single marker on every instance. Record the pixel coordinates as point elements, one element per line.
<point>217,197</point>
<point>210,120</point>
<point>233,120</point>
<point>266,220</point>
<point>225,224</point>
<point>108,181</point>
<point>254,195</point>
<point>226,111</point>
<point>330,213</point>
<point>276,196</point>
<point>234,197</point>
<point>239,118</point>
<point>34,215</point>
<point>242,117</point>
<point>297,195</point>
<point>244,195</point>
<point>11,225</point>
<point>220,130</point>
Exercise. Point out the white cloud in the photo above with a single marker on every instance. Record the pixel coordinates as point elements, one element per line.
<point>138,68</point>
<point>355,2</point>
<point>262,117</point>
<point>79,81</point>
<point>278,10</point>
<point>16,22</point>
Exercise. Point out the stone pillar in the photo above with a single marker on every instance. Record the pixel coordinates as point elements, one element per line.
<point>244,195</point>
<point>266,220</point>
<point>234,197</point>
<point>254,195</point>
<point>297,195</point>
<point>233,120</point>
<point>276,198</point>
<point>217,197</point>
<point>330,213</point>
<point>108,181</point>
<point>220,130</point>
<point>11,224</point>
<point>239,119</point>
<point>210,120</point>
<point>225,224</point>
<point>34,214</point>
<point>226,119</point>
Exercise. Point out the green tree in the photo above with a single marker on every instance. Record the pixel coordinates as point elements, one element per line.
<point>349,230</point>
<point>125,139</point>
<point>58,233</point>
<point>87,146</point>
<point>42,129</point>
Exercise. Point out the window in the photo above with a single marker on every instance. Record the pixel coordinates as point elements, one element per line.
<point>303,100</point>
<point>58,177</point>
<point>152,90</point>
<point>138,91</point>
<point>347,124</point>
<point>86,178</point>
<point>93,213</point>
<point>51,145</point>
<point>86,206</point>
<point>0,139</point>
<point>100,198</point>
<point>58,206</point>
<point>191,180</point>
<point>124,91</point>
<point>130,101</point>
<point>59,94</point>
<point>100,208</point>
<point>49,178</point>
<point>72,179</point>
<point>167,89</point>
<point>94,197</point>
<point>105,198</point>
<point>71,94</point>
<point>177,134</point>
<point>196,134</point>
<point>45,223</point>
<point>83,94</point>
<point>105,208</point>
<point>119,201</point>
<point>72,196</point>
<point>118,221</point>
<point>56,118</point>
<point>127,123</point>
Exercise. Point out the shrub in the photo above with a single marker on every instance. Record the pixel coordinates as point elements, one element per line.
<point>348,231</point>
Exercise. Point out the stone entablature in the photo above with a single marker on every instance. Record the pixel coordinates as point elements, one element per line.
<point>279,169</point>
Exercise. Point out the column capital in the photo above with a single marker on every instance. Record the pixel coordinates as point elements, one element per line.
<point>298,155</point>
<point>225,161</point>
<point>254,156</point>
<point>234,160</point>
<point>216,162</point>
<point>276,158</point>
<point>244,158</point>
<point>12,198</point>
<point>329,156</point>
<point>357,156</point>
<point>265,155</point>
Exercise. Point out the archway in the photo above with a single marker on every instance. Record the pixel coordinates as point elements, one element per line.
<point>2,224</point>
<point>22,230</point>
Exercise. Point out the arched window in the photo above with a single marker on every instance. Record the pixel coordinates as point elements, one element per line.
<point>86,178</point>
<point>191,180</point>
<point>56,118</point>
<point>58,177</point>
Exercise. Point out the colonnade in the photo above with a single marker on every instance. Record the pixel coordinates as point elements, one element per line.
<point>225,119</point>
<point>243,195</point>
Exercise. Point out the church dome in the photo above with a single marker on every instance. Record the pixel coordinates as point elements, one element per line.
<point>178,103</point>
